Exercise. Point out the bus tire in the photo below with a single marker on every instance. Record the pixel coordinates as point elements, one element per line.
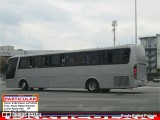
<point>92,86</point>
<point>24,86</point>
<point>41,89</point>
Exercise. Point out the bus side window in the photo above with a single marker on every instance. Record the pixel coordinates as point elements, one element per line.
<point>108,57</point>
<point>55,60</point>
<point>23,63</point>
<point>94,57</point>
<point>44,61</point>
<point>125,58</point>
<point>117,56</point>
<point>30,62</point>
<point>37,61</point>
<point>101,57</point>
<point>126,55</point>
<point>62,61</point>
<point>43,64</point>
<point>86,58</point>
<point>69,59</point>
<point>79,59</point>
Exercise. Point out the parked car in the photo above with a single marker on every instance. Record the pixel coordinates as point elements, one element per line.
<point>156,80</point>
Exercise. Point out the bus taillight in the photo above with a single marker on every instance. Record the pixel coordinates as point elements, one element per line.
<point>135,71</point>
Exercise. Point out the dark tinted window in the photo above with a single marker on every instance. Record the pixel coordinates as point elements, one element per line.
<point>86,58</point>
<point>30,62</point>
<point>117,56</point>
<point>26,62</point>
<point>37,62</point>
<point>11,68</point>
<point>126,56</point>
<point>41,61</point>
<point>23,63</point>
<point>101,57</point>
<point>94,58</point>
<point>79,59</point>
<point>55,60</point>
<point>91,58</point>
<point>45,61</point>
<point>108,57</point>
<point>69,59</point>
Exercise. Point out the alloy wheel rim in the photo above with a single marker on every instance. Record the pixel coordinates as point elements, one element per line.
<point>92,86</point>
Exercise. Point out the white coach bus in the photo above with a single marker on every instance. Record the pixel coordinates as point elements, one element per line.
<point>97,69</point>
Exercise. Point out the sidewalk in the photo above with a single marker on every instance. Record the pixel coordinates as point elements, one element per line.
<point>152,84</point>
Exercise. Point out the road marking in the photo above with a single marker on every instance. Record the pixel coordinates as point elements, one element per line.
<point>64,106</point>
<point>102,99</point>
<point>147,94</point>
<point>150,87</point>
<point>94,99</point>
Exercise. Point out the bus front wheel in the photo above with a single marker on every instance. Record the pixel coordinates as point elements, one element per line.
<point>24,86</point>
<point>92,86</point>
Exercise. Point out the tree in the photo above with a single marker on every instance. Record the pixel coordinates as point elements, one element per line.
<point>3,62</point>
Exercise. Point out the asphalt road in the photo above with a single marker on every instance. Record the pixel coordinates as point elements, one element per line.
<point>139,99</point>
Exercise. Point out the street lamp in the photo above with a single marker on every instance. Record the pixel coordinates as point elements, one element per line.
<point>114,24</point>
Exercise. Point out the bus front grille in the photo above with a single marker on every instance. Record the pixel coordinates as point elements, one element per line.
<point>121,81</point>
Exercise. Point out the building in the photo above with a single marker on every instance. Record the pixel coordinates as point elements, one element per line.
<point>152,49</point>
<point>7,51</point>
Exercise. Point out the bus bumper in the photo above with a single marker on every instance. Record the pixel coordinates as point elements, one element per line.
<point>139,83</point>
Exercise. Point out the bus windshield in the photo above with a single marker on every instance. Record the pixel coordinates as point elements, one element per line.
<point>11,68</point>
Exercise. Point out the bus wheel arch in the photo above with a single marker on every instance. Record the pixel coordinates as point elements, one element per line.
<point>24,85</point>
<point>92,85</point>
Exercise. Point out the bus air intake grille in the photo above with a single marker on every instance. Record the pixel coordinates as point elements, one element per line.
<point>121,81</point>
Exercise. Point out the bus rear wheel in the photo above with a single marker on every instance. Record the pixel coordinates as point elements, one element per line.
<point>24,86</point>
<point>92,86</point>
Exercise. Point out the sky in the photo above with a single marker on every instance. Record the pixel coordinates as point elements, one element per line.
<point>75,24</point>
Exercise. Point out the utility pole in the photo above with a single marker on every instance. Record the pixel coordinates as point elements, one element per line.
<point>114,24</point>
<point>135,21</point>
